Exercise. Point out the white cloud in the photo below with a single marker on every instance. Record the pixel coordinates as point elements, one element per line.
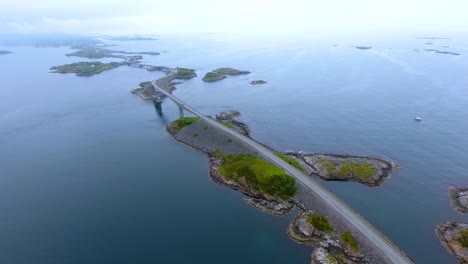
<point>255,16</point>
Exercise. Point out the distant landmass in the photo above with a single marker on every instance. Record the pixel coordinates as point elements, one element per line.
<point>4,52</point>
<point>127,38</point>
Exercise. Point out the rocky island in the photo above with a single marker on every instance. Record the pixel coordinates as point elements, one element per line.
<point>230,71</point>
<point>213,77</point>
<point>220,74</point>
<point>366,170</point>
<point>229,119</point>
<point>4,52</point>
<point>255,82</point>
<point>454,236</point>
<point>363,47</point>
<point>185,74</point>
<point>85,68</point>
<point>459,197</point>
<point>329,246</point>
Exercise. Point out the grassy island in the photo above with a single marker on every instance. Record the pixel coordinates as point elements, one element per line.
<point>213,77</point>
<point>259,174</point>
<point>361,170</point>
<point>178,124</point>
<point>4,52</point>
<point>230,71</point>
<point>85,68</point>
<point>186,74</point>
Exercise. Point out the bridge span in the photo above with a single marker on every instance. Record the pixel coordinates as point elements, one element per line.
<point>380,241</point>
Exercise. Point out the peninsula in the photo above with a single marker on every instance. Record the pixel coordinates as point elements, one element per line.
<point>4,52</point>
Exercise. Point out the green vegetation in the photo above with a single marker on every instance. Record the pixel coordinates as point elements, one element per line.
<point>261,175</point>
<point>183,73</point>
<point>218,152</point>
<point>195,135</point>
<point>350,241</point>
<point>328,165</point>
<point>228,125</point>
<point>183,122</point>
<point>331,259</point>
<point>137,90</point>
<point>229,140</point>
<point>361,170</point>
<point>230,71</point>
<point>206,127</point>
<point>85,68</point>
<point>291,161</point>
<point>462,238</point>
<point>143,84</point>
<point>213,77</point>
<point>320,222</point>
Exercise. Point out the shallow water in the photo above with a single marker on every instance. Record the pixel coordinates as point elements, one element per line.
<point>88,173</point>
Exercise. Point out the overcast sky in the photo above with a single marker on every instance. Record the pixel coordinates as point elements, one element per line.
<point>253,16</point>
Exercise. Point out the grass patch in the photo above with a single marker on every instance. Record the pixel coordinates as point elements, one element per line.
<point>320,222</point>
<point>331,258</point>
<point>143,84</point>
<point>350,241</point>
<point>361,170</point>
<point>218,152</point>
<point>259,174</point>
<point>183,122</point>
<point>291,161</point>
<point>328,165</point>
<point>462,238</point>
<point>228,125</point>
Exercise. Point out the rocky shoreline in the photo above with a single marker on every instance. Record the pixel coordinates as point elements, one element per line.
<point>459,196</point>
<point>454,237</point>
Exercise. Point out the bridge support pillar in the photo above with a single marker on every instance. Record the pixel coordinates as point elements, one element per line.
<point>181,112</point>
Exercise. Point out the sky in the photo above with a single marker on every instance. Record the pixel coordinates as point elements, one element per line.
<point>216,16</point>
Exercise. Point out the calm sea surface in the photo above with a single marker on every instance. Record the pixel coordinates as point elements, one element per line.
<point>89,175</point>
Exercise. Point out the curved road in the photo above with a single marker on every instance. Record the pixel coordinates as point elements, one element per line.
<point>388,249</point>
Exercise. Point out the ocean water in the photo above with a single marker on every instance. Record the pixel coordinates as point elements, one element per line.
<point>88,174</point>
